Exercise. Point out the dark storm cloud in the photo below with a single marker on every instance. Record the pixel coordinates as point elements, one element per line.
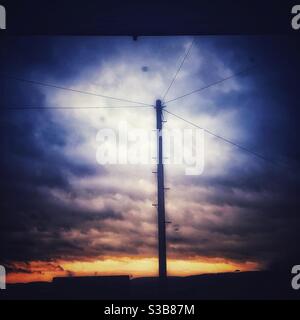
<point>267,225</point>
<point>25,267</point>
<point>35,225</point>
<point>268,106</point>
<point>33,159</point>
<point>255,215</point>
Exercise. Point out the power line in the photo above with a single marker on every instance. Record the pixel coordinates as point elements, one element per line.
<point>179,68</point>
<point>71,108</point>
<point>227,140</point>
<point>213,84</point>
<point>70,89</point>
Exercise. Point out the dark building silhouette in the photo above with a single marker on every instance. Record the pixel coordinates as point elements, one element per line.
<point>235,285</point>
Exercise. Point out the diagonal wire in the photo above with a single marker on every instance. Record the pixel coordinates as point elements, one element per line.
<point>214,83</point>
<point>228,141</point>
<point>71,108</point>
<point>69,89</point>
<point>179,68</point>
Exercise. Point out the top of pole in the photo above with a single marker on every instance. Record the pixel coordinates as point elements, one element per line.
<point>158,104</point>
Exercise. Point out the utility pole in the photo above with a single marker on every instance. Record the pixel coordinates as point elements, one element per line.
<point>162,252</point>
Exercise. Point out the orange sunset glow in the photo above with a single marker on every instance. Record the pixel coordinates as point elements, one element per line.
<point>135,267</point>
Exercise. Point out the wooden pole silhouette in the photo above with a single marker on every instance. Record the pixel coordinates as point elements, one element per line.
<point>162,254</point>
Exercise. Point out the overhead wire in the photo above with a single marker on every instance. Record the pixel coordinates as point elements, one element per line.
<point>179,68</point>
<point>254,153</point>
<point>212,84</point>
<point>69,89</point>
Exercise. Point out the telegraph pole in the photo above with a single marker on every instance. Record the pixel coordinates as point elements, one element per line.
<point>162,252</point>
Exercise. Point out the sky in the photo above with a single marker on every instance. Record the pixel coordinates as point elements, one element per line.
<point>62,213</point>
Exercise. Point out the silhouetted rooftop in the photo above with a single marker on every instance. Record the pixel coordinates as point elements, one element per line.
<point>235,285</point>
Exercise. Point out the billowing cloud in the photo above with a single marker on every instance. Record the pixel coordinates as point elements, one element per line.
<point>59,204</point>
